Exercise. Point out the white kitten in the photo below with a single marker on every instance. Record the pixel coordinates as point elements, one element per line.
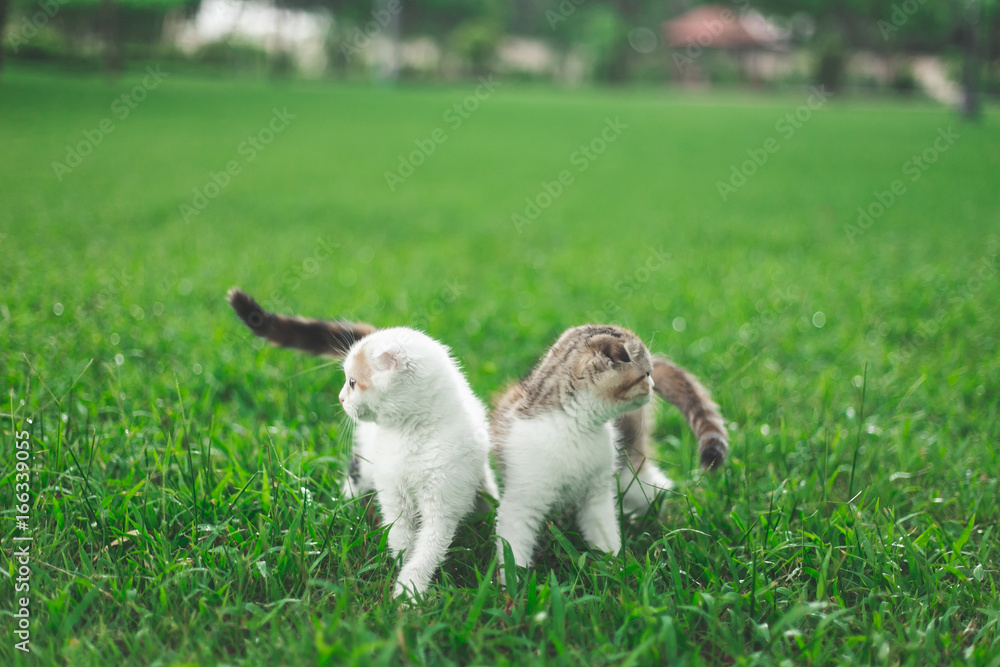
<point>422,443</point>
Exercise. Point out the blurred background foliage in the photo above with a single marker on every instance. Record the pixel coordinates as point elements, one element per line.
<point>869,45</point>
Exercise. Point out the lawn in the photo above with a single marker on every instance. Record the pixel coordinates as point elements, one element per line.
<point>184,502</point>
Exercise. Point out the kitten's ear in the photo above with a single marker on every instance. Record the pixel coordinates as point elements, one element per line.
<point>610,347</point>
<point>389,359</point>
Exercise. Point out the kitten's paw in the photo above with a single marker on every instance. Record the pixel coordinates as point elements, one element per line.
<point>407,594</point>
<point>609,545</point>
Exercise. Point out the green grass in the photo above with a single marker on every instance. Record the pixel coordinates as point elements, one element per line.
<point>184,485</point>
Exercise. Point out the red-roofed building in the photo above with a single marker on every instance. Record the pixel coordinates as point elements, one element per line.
<point>721,28</point>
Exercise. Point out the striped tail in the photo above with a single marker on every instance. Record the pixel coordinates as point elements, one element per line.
<point>332,339</point>
<point>683,390</point>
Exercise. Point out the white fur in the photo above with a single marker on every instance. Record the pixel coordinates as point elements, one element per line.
<point>561,457</point>
<point>423,443</point>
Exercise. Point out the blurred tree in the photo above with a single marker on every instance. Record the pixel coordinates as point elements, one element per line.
<point>831,62</point>
<point>601,31</point>
<point>970,65</point>
<point>438,18</point>
<point>474,29</point>
<point>914,26</point>
<point>4,11</point>
<point>387,16</point>
<point>476,41</point>
<point>111,36</point>
<point>991,50</point>
<point>67,29</point>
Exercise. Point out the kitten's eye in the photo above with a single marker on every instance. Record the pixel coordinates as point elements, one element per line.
<point>351,383</point>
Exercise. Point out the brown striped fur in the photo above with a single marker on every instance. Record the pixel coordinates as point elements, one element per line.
<point>327,338</point>
<point>568,368</point>
<point>546,386</point>
<point>686,393</point>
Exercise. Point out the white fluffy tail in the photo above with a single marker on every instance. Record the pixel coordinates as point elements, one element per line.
<point>489,484</point>
<point>639,488</point>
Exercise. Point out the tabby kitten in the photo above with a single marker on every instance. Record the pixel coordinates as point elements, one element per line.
<point>580,416</point>
<point>555,439</point>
